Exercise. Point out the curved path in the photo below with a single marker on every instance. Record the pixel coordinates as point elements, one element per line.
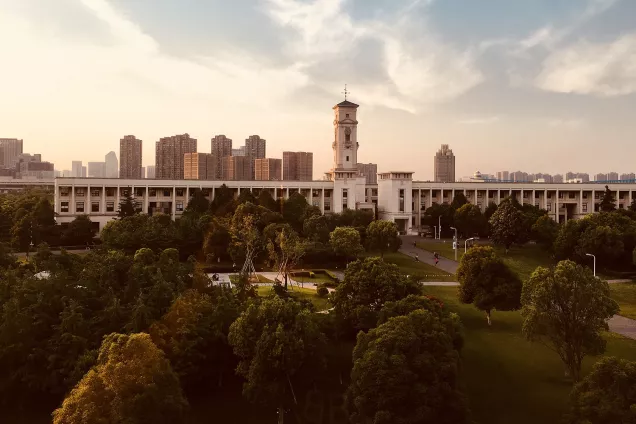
<point>617,324</point>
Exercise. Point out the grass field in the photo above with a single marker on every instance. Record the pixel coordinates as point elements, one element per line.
<point>409,266</point>
<point>320,303</point>
<point>508,379</point>
<point>317,278</point>
<point>625,295</point>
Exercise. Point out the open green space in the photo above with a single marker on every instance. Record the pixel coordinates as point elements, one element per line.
<point>625,295</point>
<point>320,303</point>
<point>319,276</point>
<point>508,379</point>
<point>410,266</point>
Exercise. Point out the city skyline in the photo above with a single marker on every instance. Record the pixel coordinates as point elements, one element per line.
<point>426,75</point>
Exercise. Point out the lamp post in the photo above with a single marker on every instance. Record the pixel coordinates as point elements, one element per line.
<point>455,242</point>
<point>466,243</point>
<point>439,222</point>
<point>594,258</point>
<point>435,231</point>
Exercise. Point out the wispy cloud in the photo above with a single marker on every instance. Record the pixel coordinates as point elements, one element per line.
<point>480,120</point>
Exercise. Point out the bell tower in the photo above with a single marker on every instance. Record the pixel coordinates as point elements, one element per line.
<point>345,144</point>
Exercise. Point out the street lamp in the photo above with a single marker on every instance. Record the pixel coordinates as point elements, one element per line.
<point>593,257</point>
<point>435,231</point>
<point>455,242</point>
<point>439,222</point>
<point>466,243</point>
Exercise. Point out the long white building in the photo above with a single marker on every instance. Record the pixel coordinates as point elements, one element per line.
<point>398,198</point>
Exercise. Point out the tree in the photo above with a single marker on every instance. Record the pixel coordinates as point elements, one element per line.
<point>487,282</point>
<point>266,200</point>
<point>126,205</point>
<point>79,232</point>
<point>286,251</point>
<point>345,241</point>
<point>439,213</point>
<point>246,196</point>
<point>294,211</point>
<point>506,224</point>
<point>198,204</point>
<point>223,203</point>
<point>193,333</point>
<point>567,308</point>
<point>22,230</point>
<point>383,236</point>
<point>469,220</point>
<point>316,228</point>
<point>632,206</point>
<point>545,231</point>
<point>132,382</point>
<point>406,371</point>
<point>276,341</point>
<point>368,285</point>
<point>606,395</point>
<point>608,203</point>
<point>458,201</point>
<point>217,238</point>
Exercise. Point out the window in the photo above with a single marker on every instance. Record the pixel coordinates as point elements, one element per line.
<point>479,205</point>
<point>571,195</point>
<point>479,195</point>
<point>347,115</point>
<point>79,207</point>
<point>526,194</point>
<point>345,193</point>
<point>139,192</point>
<point>64,191</point>
<point>79,192</point>
<point>327,207</point>
<point>166,192</point>
<point>153,192</point>
<point>549,207</point>
<point>549,196</point>
<point>560,195</point>
<point>621,195</point>
<point>179,206</point>
<point>597,195</point>
<point>124,192</point>
<point>536,195</point>
<point>347,158</point>
<point>374,192</point>
<point>110,192</point>
<point>110,206</point>
<point>621,206</point>
<point>585,195</point>
<point>180,192</point>
<point>584,207</point>
<point>347,137</point>
<point>94,206</point>
<point>95,192</point>
<point>401,200</point>
<point>64,207</point>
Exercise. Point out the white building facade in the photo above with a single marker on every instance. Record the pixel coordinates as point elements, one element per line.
<point>395,197</point>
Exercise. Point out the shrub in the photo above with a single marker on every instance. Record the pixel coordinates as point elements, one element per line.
<point>322,291</point>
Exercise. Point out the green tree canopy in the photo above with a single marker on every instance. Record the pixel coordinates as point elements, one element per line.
<point>469,221</point>
<point>487,282</point>
<point>132,382</point>
<point>79,232</point>
<point>126,205</point>
<point>507,224</point>
<point>198,203</point>
<point>458,201</point>
<point>368,285</point>
<point>345,241</point>
<point>606,395</point>
<point>266,200</point>
<point>433,214</point>
<point>545,231</point>
<point>294,211</point>
<point>608,203</point>
<point>383,236</point>
<point>567,308</point>
<point>406,371</point>
<point>316,228</point>
<point>223,202</point>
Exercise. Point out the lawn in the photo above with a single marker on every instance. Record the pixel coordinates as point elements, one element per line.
<point>320,303</point>
<point>319,277</point>
<point>625,295</point>
<point>508,379</point>
<point>410,266</point>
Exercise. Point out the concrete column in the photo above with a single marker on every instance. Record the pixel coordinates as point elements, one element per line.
<point>452,194</point>
<point>498,197</point>
<point>147,201</point>
<point>481,207</point>
<point>102,207</point>
<point>556,208</point>
<point>88,205</point>
<point>287,194</point>
<point>174,202</point>
<point>322,201</point>
<point>419,208</point>
<point>213,193</point>
<point>71,207</point>
<point>430,197</point>
<point>581,203</point>
<point>441,196</point>
<point>117,198</point>
<point>56,197</point>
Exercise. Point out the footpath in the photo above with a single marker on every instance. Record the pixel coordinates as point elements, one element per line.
<point>617,324</point>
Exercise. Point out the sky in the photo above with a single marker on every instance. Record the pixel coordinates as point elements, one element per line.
<point>531,85</point>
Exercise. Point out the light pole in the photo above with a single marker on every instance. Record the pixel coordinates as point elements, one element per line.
<point>466,243</point>
<point>593,257</point>
<point>455,242</point>
<point>439,232</point>
<point>435,231</point>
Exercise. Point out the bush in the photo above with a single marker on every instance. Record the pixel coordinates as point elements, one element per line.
<point>322,291</point>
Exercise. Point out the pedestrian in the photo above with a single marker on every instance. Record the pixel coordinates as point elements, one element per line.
<point>417,258</point>
<point>414,244</point>
<point>436,257</point>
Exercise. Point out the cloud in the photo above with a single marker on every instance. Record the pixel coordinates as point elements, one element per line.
<point>571,124</point>
<point>480,120</point>
<point>601,69</point>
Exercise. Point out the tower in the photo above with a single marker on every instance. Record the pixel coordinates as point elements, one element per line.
<point>345,145</point>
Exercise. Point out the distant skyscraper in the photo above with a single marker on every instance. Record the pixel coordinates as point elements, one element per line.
<point>96,169</point>
<point>112,165</point>
<point>369,171</point>
<point>503,176</point>
<point>130,157</point>
<point>600,177</point>
<point>67,173</point>
<point>629,176</point>
<point>143,172</point>
<point>298,166</point>
<point>558,178</point>
<point>84,171</point>
<point>31,166</point>
<point>169,156</point>
<point>612,176</point>
<point>76,168</point>
<point>10,148</point>
<point>198,166</point>
<point>237,168</point>
<point>268,169</point>
<point>150,171</point>
<point>221,148</point>
<point>239,152</point>
<point>444,165</point>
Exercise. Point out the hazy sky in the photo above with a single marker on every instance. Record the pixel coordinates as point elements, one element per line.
<point>536,85</point>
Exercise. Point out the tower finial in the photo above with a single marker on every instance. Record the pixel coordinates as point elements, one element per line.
<point>346,92</point>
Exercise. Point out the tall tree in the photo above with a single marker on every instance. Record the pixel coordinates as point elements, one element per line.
<point>469,220</point>
<point>126,205</point>
<point>275,341</point>
<point>383,236</point>
<point>266,200</point>
<point>198,203</point>
<point>608,203</point>
<point>79,232</point>
<point>567,308</point>
<point>406,371</point>
<point>286,252</point>
<point>294,211</point>
<point>316,229</point>
<point>606,395</point>
<point>223,203</point>
<point>345,241</point>
<point>545,231</point>
<point>458,201</point>
<point>507,224</point>
<point>217,239</point>
<point>246,196</point>
<point>367,286</point>
<point>132,382</point>
<point>487,282</point>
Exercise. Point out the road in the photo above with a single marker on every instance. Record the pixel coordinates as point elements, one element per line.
<point>618,324</point>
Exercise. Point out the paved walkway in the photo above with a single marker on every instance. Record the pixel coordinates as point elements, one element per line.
<point>618,324</point>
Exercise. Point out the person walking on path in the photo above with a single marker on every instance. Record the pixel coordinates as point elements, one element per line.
<point>436,257</point>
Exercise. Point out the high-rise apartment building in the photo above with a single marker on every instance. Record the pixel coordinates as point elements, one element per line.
<point>268,169</point>
<point>84,172</point>
<point>143,172</point>
<point>558,178</point>
<point>221,148</point>
<point>111,165</point>
<point>198,166</point>
<point>130,157</point>
<point>600,177</point>
<point>255,148</point>
<point>237,168</point>
<point>76,168</point>
<point>298,166</point>
<point>32,166</point>
<point>628,176</point>
<point>503,176</point>
<point>150,171</point>
<point>239,152</point>
<point>369,171</point>
<point>96,169</point>
<point>444,165</point>
<point>170,152</point>
<point>10,148</point>
<point>612,176</point>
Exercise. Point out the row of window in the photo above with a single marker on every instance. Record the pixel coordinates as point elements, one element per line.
<point>110,207</point>
<point>180,192</point>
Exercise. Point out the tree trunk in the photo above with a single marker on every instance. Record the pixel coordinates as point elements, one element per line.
<point>488,317</point>
<point>281,415</point>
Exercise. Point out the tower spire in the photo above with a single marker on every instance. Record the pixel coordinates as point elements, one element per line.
<point>346,92</point>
